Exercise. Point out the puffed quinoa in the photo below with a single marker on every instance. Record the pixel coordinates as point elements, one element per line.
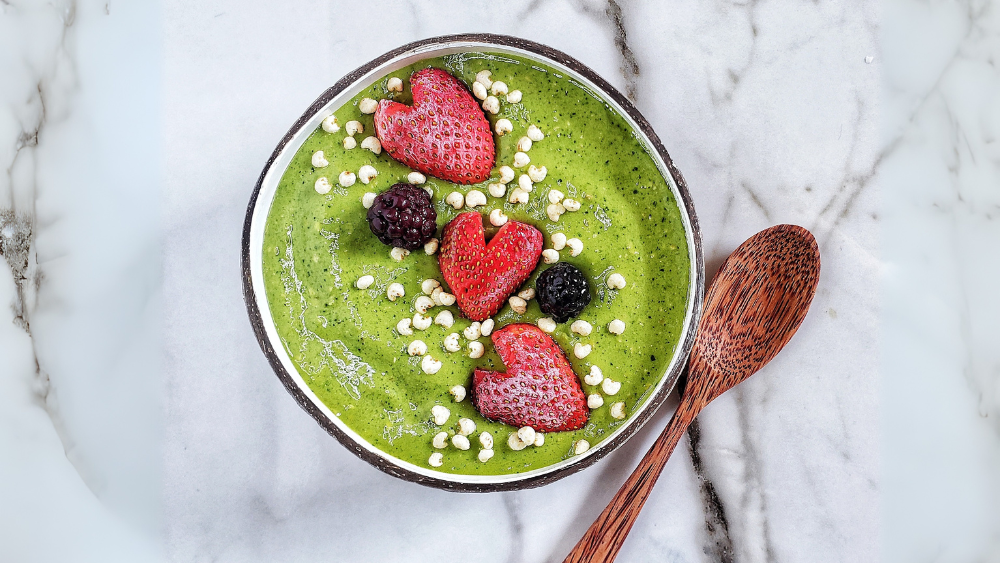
<point>580,446</point>
<point>575,246</point>
<point>581,350</point>
<point>550,256</point>
<point>431,246</point>
<point>479,91</point>
<point>558,241</point>
<point>594,377</point>
<point>394,84</point>
<point>322,185</point>
<point>416,178</point>
<point>460,442</point>
<point>367,105</point>
<point>521,159</point>
<point>506,174</point>
<point>440,413</point>
<point>368,199</point>
<point>492,105</point>
<point>527,293</point>
<point>319,160</point>
<point>429,285</point>
<point>595,401</point>
<point>416,348</point>
<point>610,387</point>
<point>421,322</point>
<point>398,253</point>
<point>524,144</point>
<point>364,282</point>
<point>514,96</point>
<point>571,205</point>
<point>354,127</point>
<point>457,391</point>
<point>445,319</point>
<point>517,195</point>
<point>430,365</point>
<point>486,440</point>
<point>436,295</point>
<point>485,455</point>
<point>618,410</point>
<point>581,327</point>
<point>503,126</point>
<point>476,349</point>
<point>350,143</point>
<point>555,211</point>
<point>346,179</point>
<point>487,327</point>
<point>498,218</point>
<point>440,440</point>
<point>515,443</point>
<point>330,124</point>
<point>367,173</point>
<point>483,77</point>
<point>539,439</point>
<point>526,434</point>
<point>534,133</point>
<point>475,198</point>
<point>373,144</point>
<point>537,174</point>
<point>518,305</point>
<point>524,182</point>
<point>497,190</point>
<point>423,303</point>
<point>451,343</point>
<point>394,291</point>
<point>616,326</point>
<point>473,331</point>
<point>446,299</point>
<point>616,281</point>
<point>403,327</point>
<point>456,200</point>
<point>466,426</point>
<point>546,324</point>
<point>436,459</point>
<point>498,88</point>
<point>556,196</point>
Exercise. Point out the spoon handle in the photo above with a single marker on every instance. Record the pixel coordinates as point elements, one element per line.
<point>601,542</point>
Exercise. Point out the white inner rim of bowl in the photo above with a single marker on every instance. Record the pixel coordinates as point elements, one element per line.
<point>277,170</point>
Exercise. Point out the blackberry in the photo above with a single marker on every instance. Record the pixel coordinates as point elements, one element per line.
<point>403,216</point>
<point>562,291</point>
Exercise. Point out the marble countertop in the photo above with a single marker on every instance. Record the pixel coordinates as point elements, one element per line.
<point>139,420</point>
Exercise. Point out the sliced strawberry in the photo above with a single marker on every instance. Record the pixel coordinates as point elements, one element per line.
<point>482,276</point>
<point>444,134</point>
<point>539,388</point>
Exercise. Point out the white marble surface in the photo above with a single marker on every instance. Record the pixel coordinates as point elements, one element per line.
<point>874,126</point>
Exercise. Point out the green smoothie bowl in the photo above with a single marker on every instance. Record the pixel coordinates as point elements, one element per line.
<point>544,300</point>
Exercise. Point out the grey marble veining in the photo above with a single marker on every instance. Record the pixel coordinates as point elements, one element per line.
<point>873,125</point>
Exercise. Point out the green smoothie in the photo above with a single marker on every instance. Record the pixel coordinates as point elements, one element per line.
<point>344,340</point>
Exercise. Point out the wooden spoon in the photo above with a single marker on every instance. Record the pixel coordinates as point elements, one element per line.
<point>756,302</point>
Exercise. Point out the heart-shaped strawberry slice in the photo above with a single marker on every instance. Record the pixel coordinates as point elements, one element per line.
<point>539,388</point>
<point>482,276</point>
<point>444,134</point>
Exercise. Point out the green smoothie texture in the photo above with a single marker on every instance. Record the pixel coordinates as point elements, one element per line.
<point>343,340</point>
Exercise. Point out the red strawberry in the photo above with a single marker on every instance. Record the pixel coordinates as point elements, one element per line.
<point>482,276</point>
<point>539,389</point>
<point>444,134</point>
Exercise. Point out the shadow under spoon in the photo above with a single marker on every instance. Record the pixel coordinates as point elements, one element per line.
<point>756,302</point>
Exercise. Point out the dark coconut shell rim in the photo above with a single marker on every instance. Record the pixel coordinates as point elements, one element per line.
<point>343,90</point>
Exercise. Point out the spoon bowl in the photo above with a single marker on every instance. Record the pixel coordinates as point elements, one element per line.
<point>758,299</point>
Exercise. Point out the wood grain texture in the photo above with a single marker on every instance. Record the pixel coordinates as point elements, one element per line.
<point>756,302</point>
